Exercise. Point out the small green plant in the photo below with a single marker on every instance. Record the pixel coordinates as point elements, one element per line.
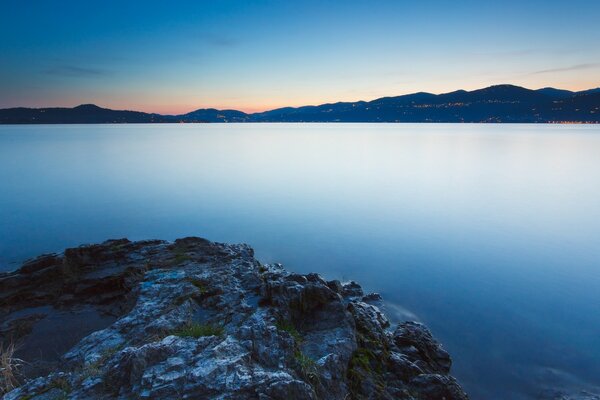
<point>262,269</point>
<point>365,363</point>
<point>360,358</point>
<point>308,367</point>
<point>200,285</point>
<point>289,327</point>
<point>180,256</point>
<point>111,351</point>
<point>118,246</point>
<point>197,330</point>
<point>91,370</point>
<point>60,383</point>
<point>94,369</point>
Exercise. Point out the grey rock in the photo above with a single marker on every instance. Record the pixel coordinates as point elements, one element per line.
<point>203,320</point>
<point>416,341</point>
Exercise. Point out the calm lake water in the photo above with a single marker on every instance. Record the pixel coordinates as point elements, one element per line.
<point>490,234</point>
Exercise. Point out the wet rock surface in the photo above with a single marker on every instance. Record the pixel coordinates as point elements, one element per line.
<point>201,320</point>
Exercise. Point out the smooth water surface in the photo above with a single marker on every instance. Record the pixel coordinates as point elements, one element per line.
<point>490,234</point>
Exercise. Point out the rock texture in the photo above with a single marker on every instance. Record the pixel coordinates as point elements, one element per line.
<point>202,320</point>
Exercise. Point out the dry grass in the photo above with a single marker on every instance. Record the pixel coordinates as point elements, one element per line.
<point>9,365</point>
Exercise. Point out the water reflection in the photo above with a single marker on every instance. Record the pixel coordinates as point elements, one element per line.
<point>489,233</point>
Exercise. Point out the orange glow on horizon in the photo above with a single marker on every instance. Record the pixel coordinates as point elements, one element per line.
<point>304,100</point>
<point>186,104</point>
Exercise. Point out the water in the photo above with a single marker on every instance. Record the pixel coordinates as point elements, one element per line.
<point>490,234</point>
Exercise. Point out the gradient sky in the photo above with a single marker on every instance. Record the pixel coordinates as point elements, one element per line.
<point>177,56</point>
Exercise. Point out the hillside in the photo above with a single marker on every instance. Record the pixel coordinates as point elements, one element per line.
<point>496,104</point>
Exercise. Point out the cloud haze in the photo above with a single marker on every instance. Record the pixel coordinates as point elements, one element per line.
<point>75,71</point>
<point>577,67</point>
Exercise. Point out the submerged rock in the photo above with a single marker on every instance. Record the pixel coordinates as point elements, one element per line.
<point>201,320</point>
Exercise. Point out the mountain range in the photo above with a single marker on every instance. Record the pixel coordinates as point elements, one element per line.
<point>495,104</point>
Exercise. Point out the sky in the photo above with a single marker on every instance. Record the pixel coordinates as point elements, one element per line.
<point>177,56</point>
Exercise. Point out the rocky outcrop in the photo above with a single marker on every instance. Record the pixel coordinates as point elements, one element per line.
<point>196,319</point>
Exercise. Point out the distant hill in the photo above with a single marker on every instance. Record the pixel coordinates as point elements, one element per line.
<point>555,93</point>
<point>590,91</point>
<point>83,114</point>
<point>495,104</point>
<point>213,115</point>
<point>501,103</point>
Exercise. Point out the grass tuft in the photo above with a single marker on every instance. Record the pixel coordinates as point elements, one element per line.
<point>9,365</point>
<point>94,369</point>
<point>61,383</point>
<point>180,256</point>
<point>361,358</point>
<point>197,330</point>
<point>308,367</point>
<point>289,327</point>
<point>200,285</point>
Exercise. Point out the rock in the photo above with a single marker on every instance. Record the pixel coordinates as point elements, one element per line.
<point>435,387</point>
<point>197,319</point>
<point>417,342</point>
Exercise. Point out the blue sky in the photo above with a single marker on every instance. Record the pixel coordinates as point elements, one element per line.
<point>173,57</point>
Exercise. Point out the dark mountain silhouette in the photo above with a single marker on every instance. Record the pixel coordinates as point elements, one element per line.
<point>580,107</point>
<point>83,114</point>
<point>555,93</point>
<point>500,103</point>
<point>214,115</point>
<point>590,91</point>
